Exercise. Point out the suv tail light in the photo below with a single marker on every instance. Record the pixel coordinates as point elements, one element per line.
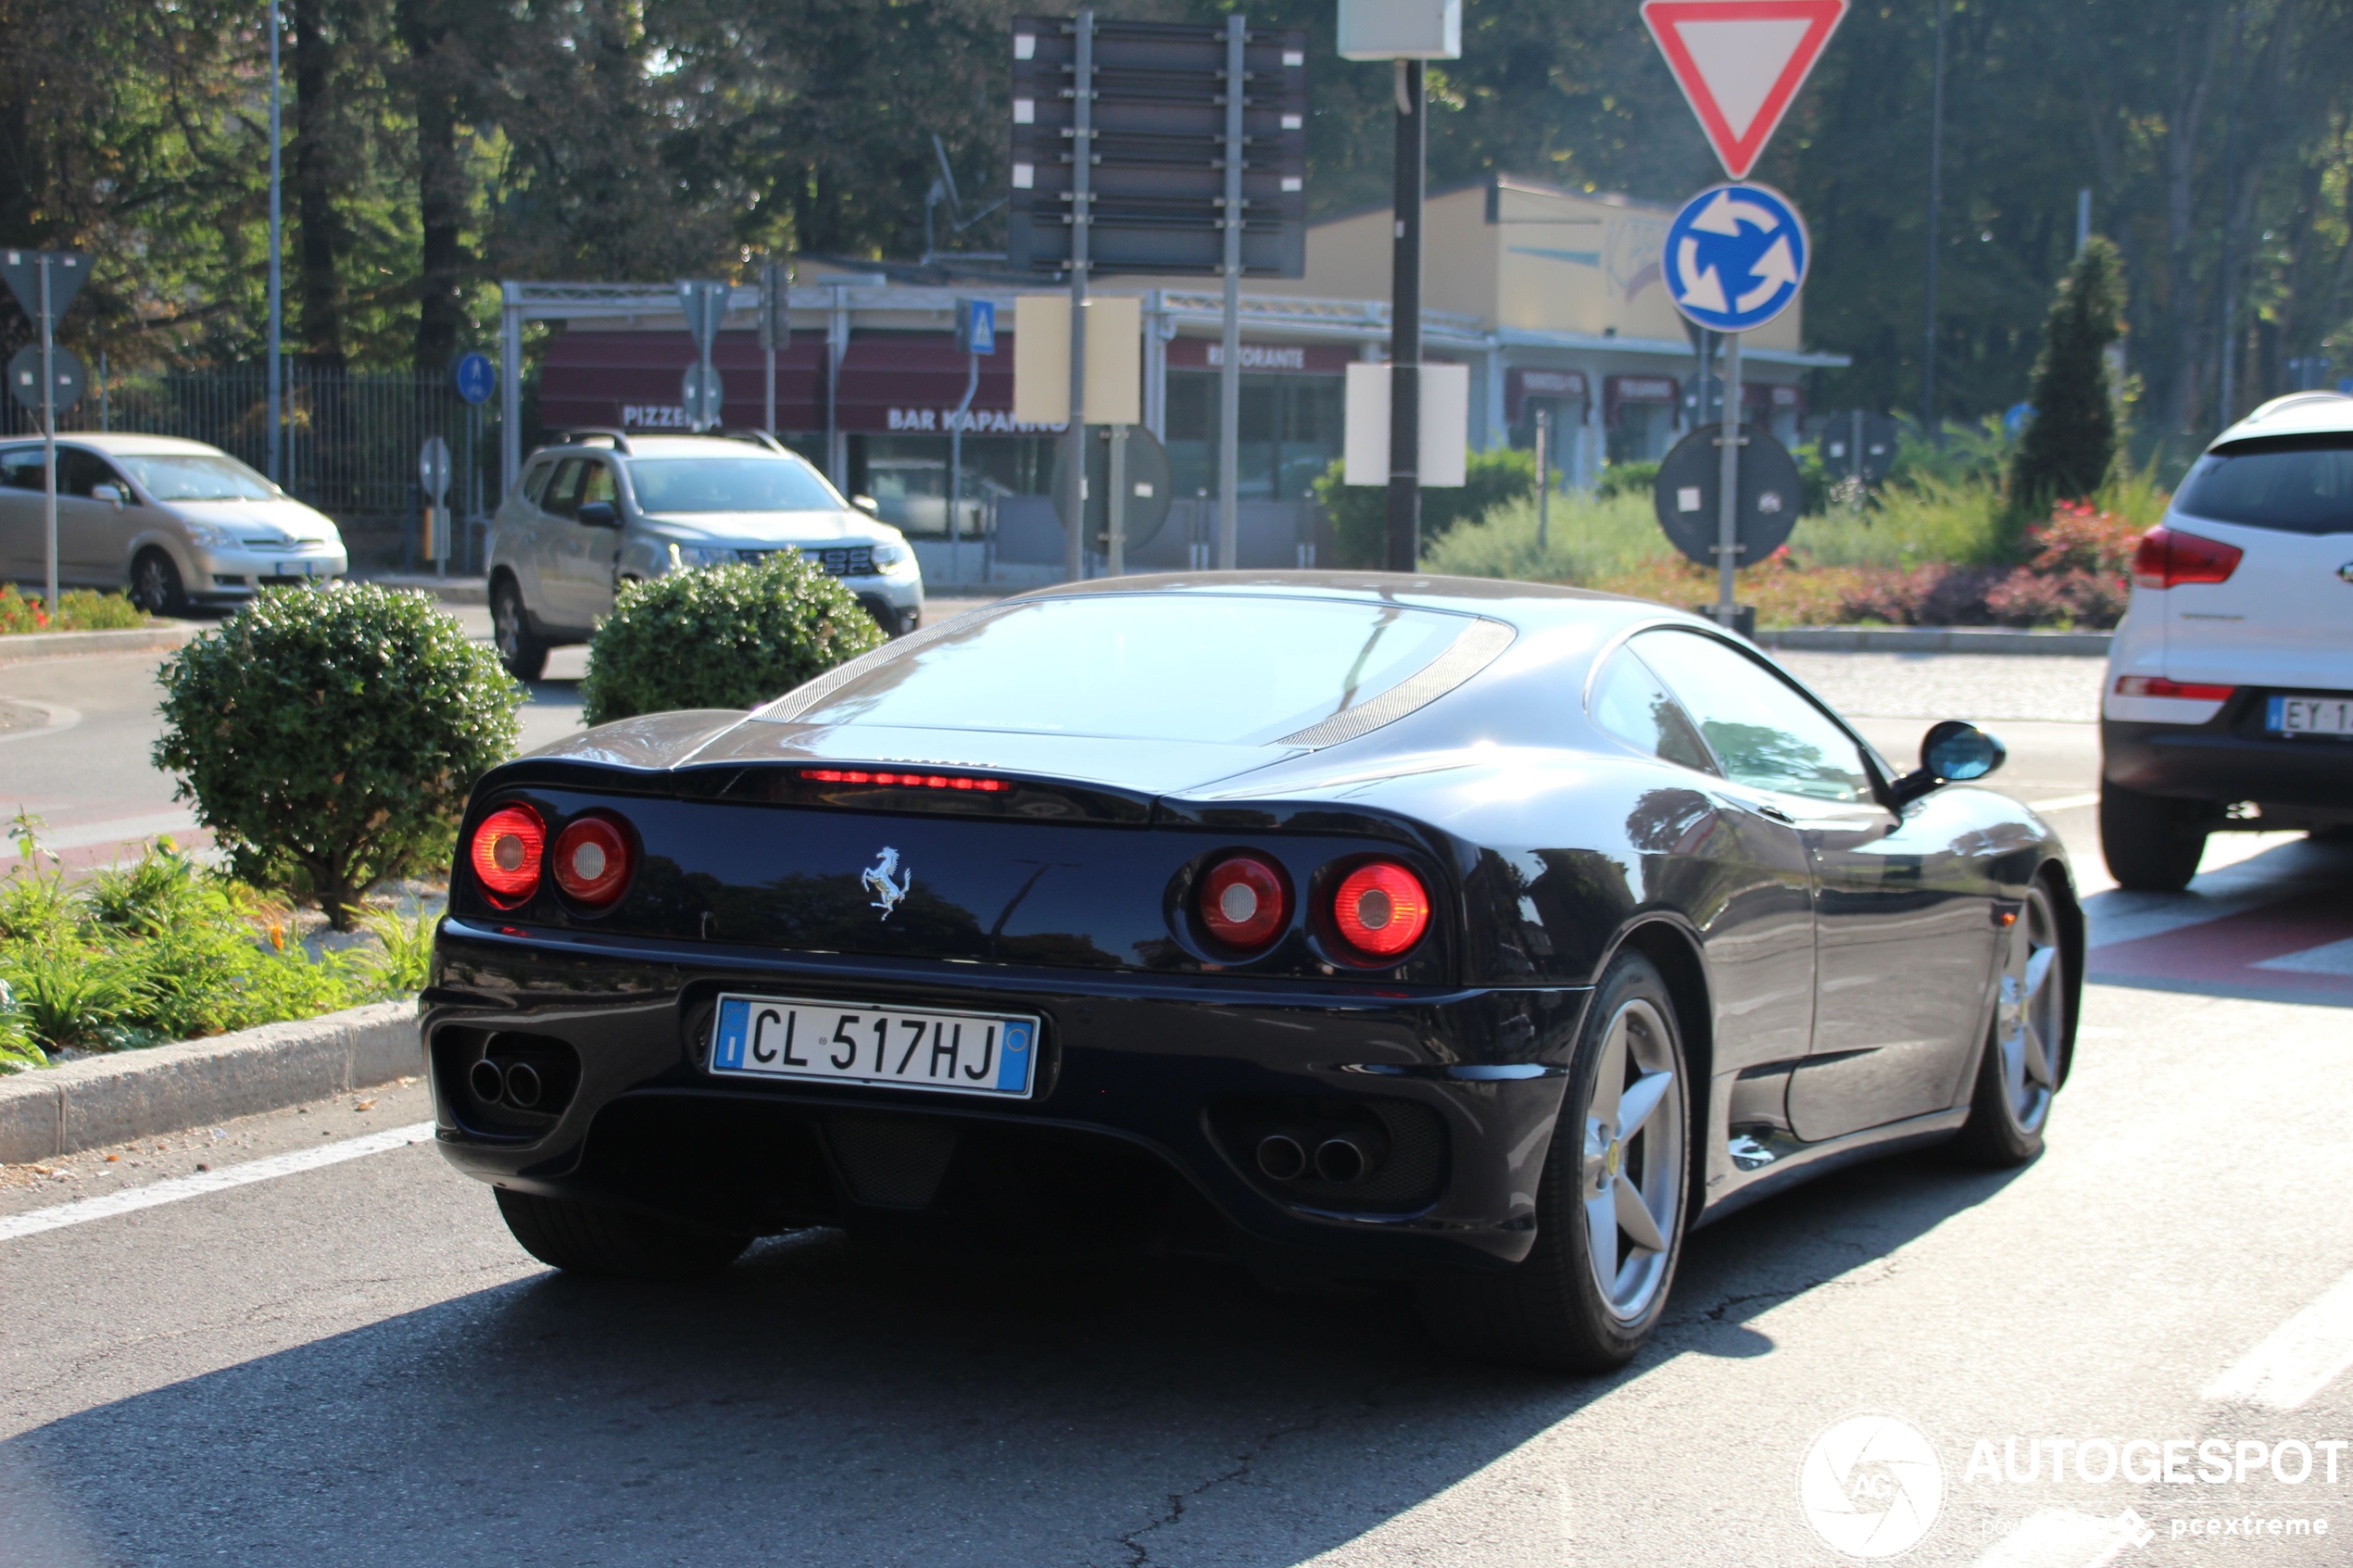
<point>1381,909</point>
<point>1243,903</point>
<point>506,853</point>
<point>2168,556</point>
<point>592,861</point>
<point>2158,685</point>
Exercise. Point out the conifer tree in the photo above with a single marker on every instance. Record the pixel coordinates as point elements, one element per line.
<point>2065,452</point>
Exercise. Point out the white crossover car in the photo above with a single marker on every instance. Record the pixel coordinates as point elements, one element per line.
<point>604,508</point>
<point>2229,701</point>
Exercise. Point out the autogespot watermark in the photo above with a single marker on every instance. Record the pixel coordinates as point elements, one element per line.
<point>1871,1486</point>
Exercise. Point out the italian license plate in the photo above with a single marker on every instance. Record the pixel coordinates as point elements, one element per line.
<point>296,569</point>
<point>964,1053</point>
<point>2310,716</point>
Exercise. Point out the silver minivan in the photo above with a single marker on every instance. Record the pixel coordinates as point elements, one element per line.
<point>174,521</point>
<point>604,508</point>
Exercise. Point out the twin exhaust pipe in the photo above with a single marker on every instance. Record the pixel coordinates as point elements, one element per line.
<point>514,1083</point>
<point>1337,1160</point>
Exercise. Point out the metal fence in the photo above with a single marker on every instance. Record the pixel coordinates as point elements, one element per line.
<point>349,448</point>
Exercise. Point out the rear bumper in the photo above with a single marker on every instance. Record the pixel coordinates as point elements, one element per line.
<point>1150,1092</point>
<point>2229,758</point>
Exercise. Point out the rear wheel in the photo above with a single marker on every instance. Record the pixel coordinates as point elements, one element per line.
<point>155,584</point>
<point>2152,844</point>
<point>2026,1050</point>
<point>525,656</point>
<point>1609,1206</point>
<point>590,1238</point>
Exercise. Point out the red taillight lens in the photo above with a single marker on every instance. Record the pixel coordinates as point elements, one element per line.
<point>1380,910</point>
<point>1243,903</point>
<point>2158,685</point>
<point>592,861</point>
<point>2168,557</point>
<point>506,853</point>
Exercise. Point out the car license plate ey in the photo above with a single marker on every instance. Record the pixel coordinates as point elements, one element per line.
<point>2310,716</point>
<point>962,1053</point>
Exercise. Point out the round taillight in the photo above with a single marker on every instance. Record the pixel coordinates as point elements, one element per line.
<point>592,861</point>
<point>1381,909</point>
<point>506,853</point>
<point>1242,902</point>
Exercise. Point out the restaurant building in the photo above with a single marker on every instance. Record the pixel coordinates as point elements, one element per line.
<point>1556,299</point>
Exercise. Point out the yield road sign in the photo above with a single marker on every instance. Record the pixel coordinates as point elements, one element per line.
<point>1741,62</point>
<point>432,470</point>
<point>68,379</point>
<point>475,377</point>
<point>705,304</point>
<point>1735,257</point>
<point>68,269</point>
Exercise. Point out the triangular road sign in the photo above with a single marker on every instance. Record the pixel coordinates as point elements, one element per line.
<point>68,269</point>
<point>1741,62</point>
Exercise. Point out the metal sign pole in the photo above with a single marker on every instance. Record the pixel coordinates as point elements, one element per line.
<point>1544,477</point>
<point>1229,373</point>
<point>1405,327</point>
<point>1114,507</point>
<point>1082,159</point>
<point>277,290</point>
<point>49,438</point>
<point>956,473</point>
<point>1728,498</point>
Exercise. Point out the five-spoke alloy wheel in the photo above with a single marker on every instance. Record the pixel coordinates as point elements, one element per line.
<point>2025,1058</point>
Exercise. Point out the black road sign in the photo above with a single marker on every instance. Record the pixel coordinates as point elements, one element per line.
<point>1148,486</point>
<point>1158,146</point>
<point>1856,441</point>
<point>68,269</point>
<point>776,305</point>
<point>24,377</point>
<point>706,306</point>
<point>1690,478</point>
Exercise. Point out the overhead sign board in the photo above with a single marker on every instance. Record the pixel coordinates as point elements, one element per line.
<point>1156,198</point>
<point>1735,257</point>
<point>1741,63</point>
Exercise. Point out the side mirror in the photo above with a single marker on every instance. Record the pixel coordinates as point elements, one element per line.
<point>1951,752</point>
<point>107,493</point>
<point>867,504</point>
<point>599,514</point>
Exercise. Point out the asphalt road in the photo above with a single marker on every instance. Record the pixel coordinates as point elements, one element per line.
<point>353,1363</point>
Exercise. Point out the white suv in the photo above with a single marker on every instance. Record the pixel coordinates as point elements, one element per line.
<point>2229,701</point>
<point>603,507</point>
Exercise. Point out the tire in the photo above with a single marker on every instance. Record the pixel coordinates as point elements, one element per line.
<point>2026,1047</point>
<point>1554,1310</point>
<point>589,1238</point>
<point>525,656</point>
<point>2151,843</point>
<point>154,583</point>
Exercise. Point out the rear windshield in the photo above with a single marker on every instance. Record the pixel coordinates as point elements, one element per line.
<point>1223,670</point>
<point>2295,484</point>
<point>195,476</point>
<point>729,485</point>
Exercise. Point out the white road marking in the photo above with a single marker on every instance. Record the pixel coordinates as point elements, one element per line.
<point>172,1191</point>
<point>2061,1537</point>
<point>2332,958</point>
<point>2302,1357</point>
<point>118,830</point>
<point>2066,802</point>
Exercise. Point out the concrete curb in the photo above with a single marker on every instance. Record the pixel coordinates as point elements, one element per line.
<point>58,645</point>
<point>60,1111</point>
<point>1932,639</point>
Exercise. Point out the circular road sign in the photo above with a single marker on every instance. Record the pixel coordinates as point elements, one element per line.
<point>1689,485</point>
<point>702,393</point>
<point>432,470</point>
<point>1735,257</point>
<point>474,376</point>
<point>1148,486</point>
<point>70,380</point>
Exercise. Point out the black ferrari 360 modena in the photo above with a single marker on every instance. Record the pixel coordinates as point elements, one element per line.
<point>1477,935</point>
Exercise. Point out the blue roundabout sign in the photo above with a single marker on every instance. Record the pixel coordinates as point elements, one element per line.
<point>1736,257</point>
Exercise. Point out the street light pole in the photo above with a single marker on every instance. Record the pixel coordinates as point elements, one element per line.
<point>276,276</point>
<point>1405,324</point>
<point>1935,200</point>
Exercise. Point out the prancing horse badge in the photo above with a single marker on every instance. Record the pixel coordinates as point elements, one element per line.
<point>877,882</point>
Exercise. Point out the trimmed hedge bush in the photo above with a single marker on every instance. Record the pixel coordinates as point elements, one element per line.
<point>728,636</point>
<point>328,739</point>
<point>1360,513</point>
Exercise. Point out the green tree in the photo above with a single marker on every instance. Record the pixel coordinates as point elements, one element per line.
<point>2067,448</point>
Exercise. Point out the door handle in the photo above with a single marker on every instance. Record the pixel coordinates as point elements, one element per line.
<point>1777,814</point>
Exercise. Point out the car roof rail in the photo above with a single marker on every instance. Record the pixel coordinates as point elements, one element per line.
<point>580,435</point>
<point>758,437</point>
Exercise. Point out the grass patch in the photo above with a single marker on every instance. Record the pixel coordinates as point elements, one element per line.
<point>164,949</point>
